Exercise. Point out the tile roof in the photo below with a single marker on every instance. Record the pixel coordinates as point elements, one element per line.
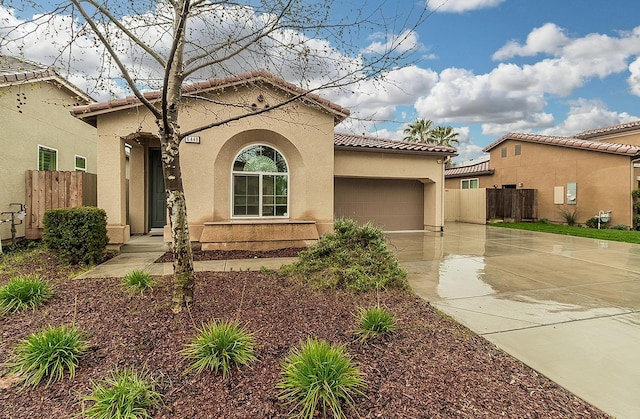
<point>609,130</point>
<point>15,70</point>
<point>570,142</point>
<point>214,84</point>
<point>360,142</point>
<point>482,168</point>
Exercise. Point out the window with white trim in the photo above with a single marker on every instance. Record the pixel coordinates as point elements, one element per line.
<point>469,183</point>
<point>260,183</point>
<point>47,158</point>
<point>81,163</point>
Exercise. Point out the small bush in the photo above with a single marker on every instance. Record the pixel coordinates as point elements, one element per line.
<point>138,280</point>
<point>635,193</point>
<point>319,375</point>
<point>126,394</point>
<point>78,234</point>
<point>23,292</point>
<point>592,222</point>
<point>218,345</point>
<point>374,322</point>
<point>619,227</point>
<point>48,353</point>
<point>544,221</point>
<point>570,217</point>
<point>353,257</point>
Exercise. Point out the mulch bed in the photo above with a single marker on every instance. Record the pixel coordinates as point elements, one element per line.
<point>200,255</point>
<point>431,367</point>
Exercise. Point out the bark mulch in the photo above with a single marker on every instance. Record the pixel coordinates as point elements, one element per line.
<point>431,367</point>
<point>200,255</point>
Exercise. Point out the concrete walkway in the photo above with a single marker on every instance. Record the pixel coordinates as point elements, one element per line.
<point>141,252</point>
<point>568,307</point>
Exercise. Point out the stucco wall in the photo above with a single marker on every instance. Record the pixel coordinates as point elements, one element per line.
<point>303,134</point>
<point>38,114</point>
<point>484,181</point>
<point>604,181</point>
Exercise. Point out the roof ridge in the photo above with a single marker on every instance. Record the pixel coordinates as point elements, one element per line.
<point>570,142</point>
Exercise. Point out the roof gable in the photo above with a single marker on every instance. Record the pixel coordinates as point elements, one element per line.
<point>338,111</point>
<point>365,143</point>
<point>15,71</point>
<point>568,142</point>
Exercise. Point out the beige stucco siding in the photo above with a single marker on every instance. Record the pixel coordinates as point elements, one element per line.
<point>604,181</point>
<point>38,114</point>
<point>484,181</point>
<point>302,134</point>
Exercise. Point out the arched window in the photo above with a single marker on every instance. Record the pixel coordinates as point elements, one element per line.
<point>260,183</point>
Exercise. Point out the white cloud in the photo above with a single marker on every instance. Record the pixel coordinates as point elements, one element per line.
<point>548,39</point>
<point>459,6</point>
<point>404,42</point>
<point>634,78</point>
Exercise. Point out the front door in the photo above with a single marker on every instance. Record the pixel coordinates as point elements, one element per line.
<point>157,194</point>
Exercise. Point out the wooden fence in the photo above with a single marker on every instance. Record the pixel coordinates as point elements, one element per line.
<point>512,204</point>
<point>48,190</point>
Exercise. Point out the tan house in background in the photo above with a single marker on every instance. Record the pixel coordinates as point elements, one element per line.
<point>592,172</point>
<point>274,179</point>
<point>38,130</point>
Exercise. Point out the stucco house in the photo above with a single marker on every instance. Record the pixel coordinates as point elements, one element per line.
<point>590,172</point>
<point>38,130</point>
<point>274,179</point>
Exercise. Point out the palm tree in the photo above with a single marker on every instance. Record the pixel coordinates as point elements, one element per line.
<point>419,132</point>
<point>442,135</point>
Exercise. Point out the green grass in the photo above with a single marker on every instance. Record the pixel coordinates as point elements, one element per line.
<point>629,236</point>
<point>138,280</point>
<point>48,354</point>
<point>11,262</point>
<point>126,394</point>
<point>23,292</point>
<point>374,322</point>
<point>319,375</point>
<point>218,346</point>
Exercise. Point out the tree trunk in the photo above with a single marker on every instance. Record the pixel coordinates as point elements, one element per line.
<point>183,272</point>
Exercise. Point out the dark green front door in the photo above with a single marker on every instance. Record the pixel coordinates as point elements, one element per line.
<point>157,194</point>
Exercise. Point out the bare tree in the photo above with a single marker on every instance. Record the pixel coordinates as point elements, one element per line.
<point>163,44</point>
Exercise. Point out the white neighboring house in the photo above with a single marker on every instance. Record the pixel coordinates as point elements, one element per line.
<point>38,131</point>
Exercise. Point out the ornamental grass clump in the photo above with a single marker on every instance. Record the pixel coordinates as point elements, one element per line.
<point>138,280</point>
<point>48,354</point>
<point>126,394</point>
<point>374,322</point>
<point>353,257</point>
<point>218,346</point>
<point>23,292</point>
<point>319,375</point>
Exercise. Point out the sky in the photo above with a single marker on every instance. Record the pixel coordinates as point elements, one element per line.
<point>484,67</point>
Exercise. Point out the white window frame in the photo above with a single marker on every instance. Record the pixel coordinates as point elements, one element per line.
<point>80,169</point>
<point>47,148</point>
<point>261,176</point>
<point>469,180</point>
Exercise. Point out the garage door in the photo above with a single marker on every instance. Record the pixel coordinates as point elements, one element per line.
<point>389,204</point>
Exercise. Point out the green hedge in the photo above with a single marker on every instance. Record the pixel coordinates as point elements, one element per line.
<point>78,234</point>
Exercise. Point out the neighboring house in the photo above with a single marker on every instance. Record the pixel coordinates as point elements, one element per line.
<point>271,180</point>
<point>590,172</point>
<point>472,174</point>
<point>38,130</point>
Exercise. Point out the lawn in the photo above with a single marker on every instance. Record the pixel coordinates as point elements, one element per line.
<point>428,366</point>
<point>627,236</point>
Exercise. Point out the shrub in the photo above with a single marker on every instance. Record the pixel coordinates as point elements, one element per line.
<point>619,227</point>
<point>374,322</point>
<point>218,345</point>
<point>570,217</point>
<point>23,292</point>
<point>78,234</point>
<point>353,257</point>
<point>138,280</point>
<point>126,394</point>
<point>319,374</point>
<point>48,353</point>
<point>592,222</point>
<point>635,193</point>
<point>544,221</point>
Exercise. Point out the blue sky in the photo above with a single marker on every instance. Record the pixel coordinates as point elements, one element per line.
<point>485,67</point>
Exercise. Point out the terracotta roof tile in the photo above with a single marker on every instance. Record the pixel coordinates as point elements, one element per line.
<point>609,130</point>
<point>259,75</point>
<point>482,168</point>
<point>570,142</point>
<point>349,141</point>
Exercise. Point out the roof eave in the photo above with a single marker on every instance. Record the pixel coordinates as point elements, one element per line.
<point>438,153</point>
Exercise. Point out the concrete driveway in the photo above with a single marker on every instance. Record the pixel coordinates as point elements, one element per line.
<point>568,307</point>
